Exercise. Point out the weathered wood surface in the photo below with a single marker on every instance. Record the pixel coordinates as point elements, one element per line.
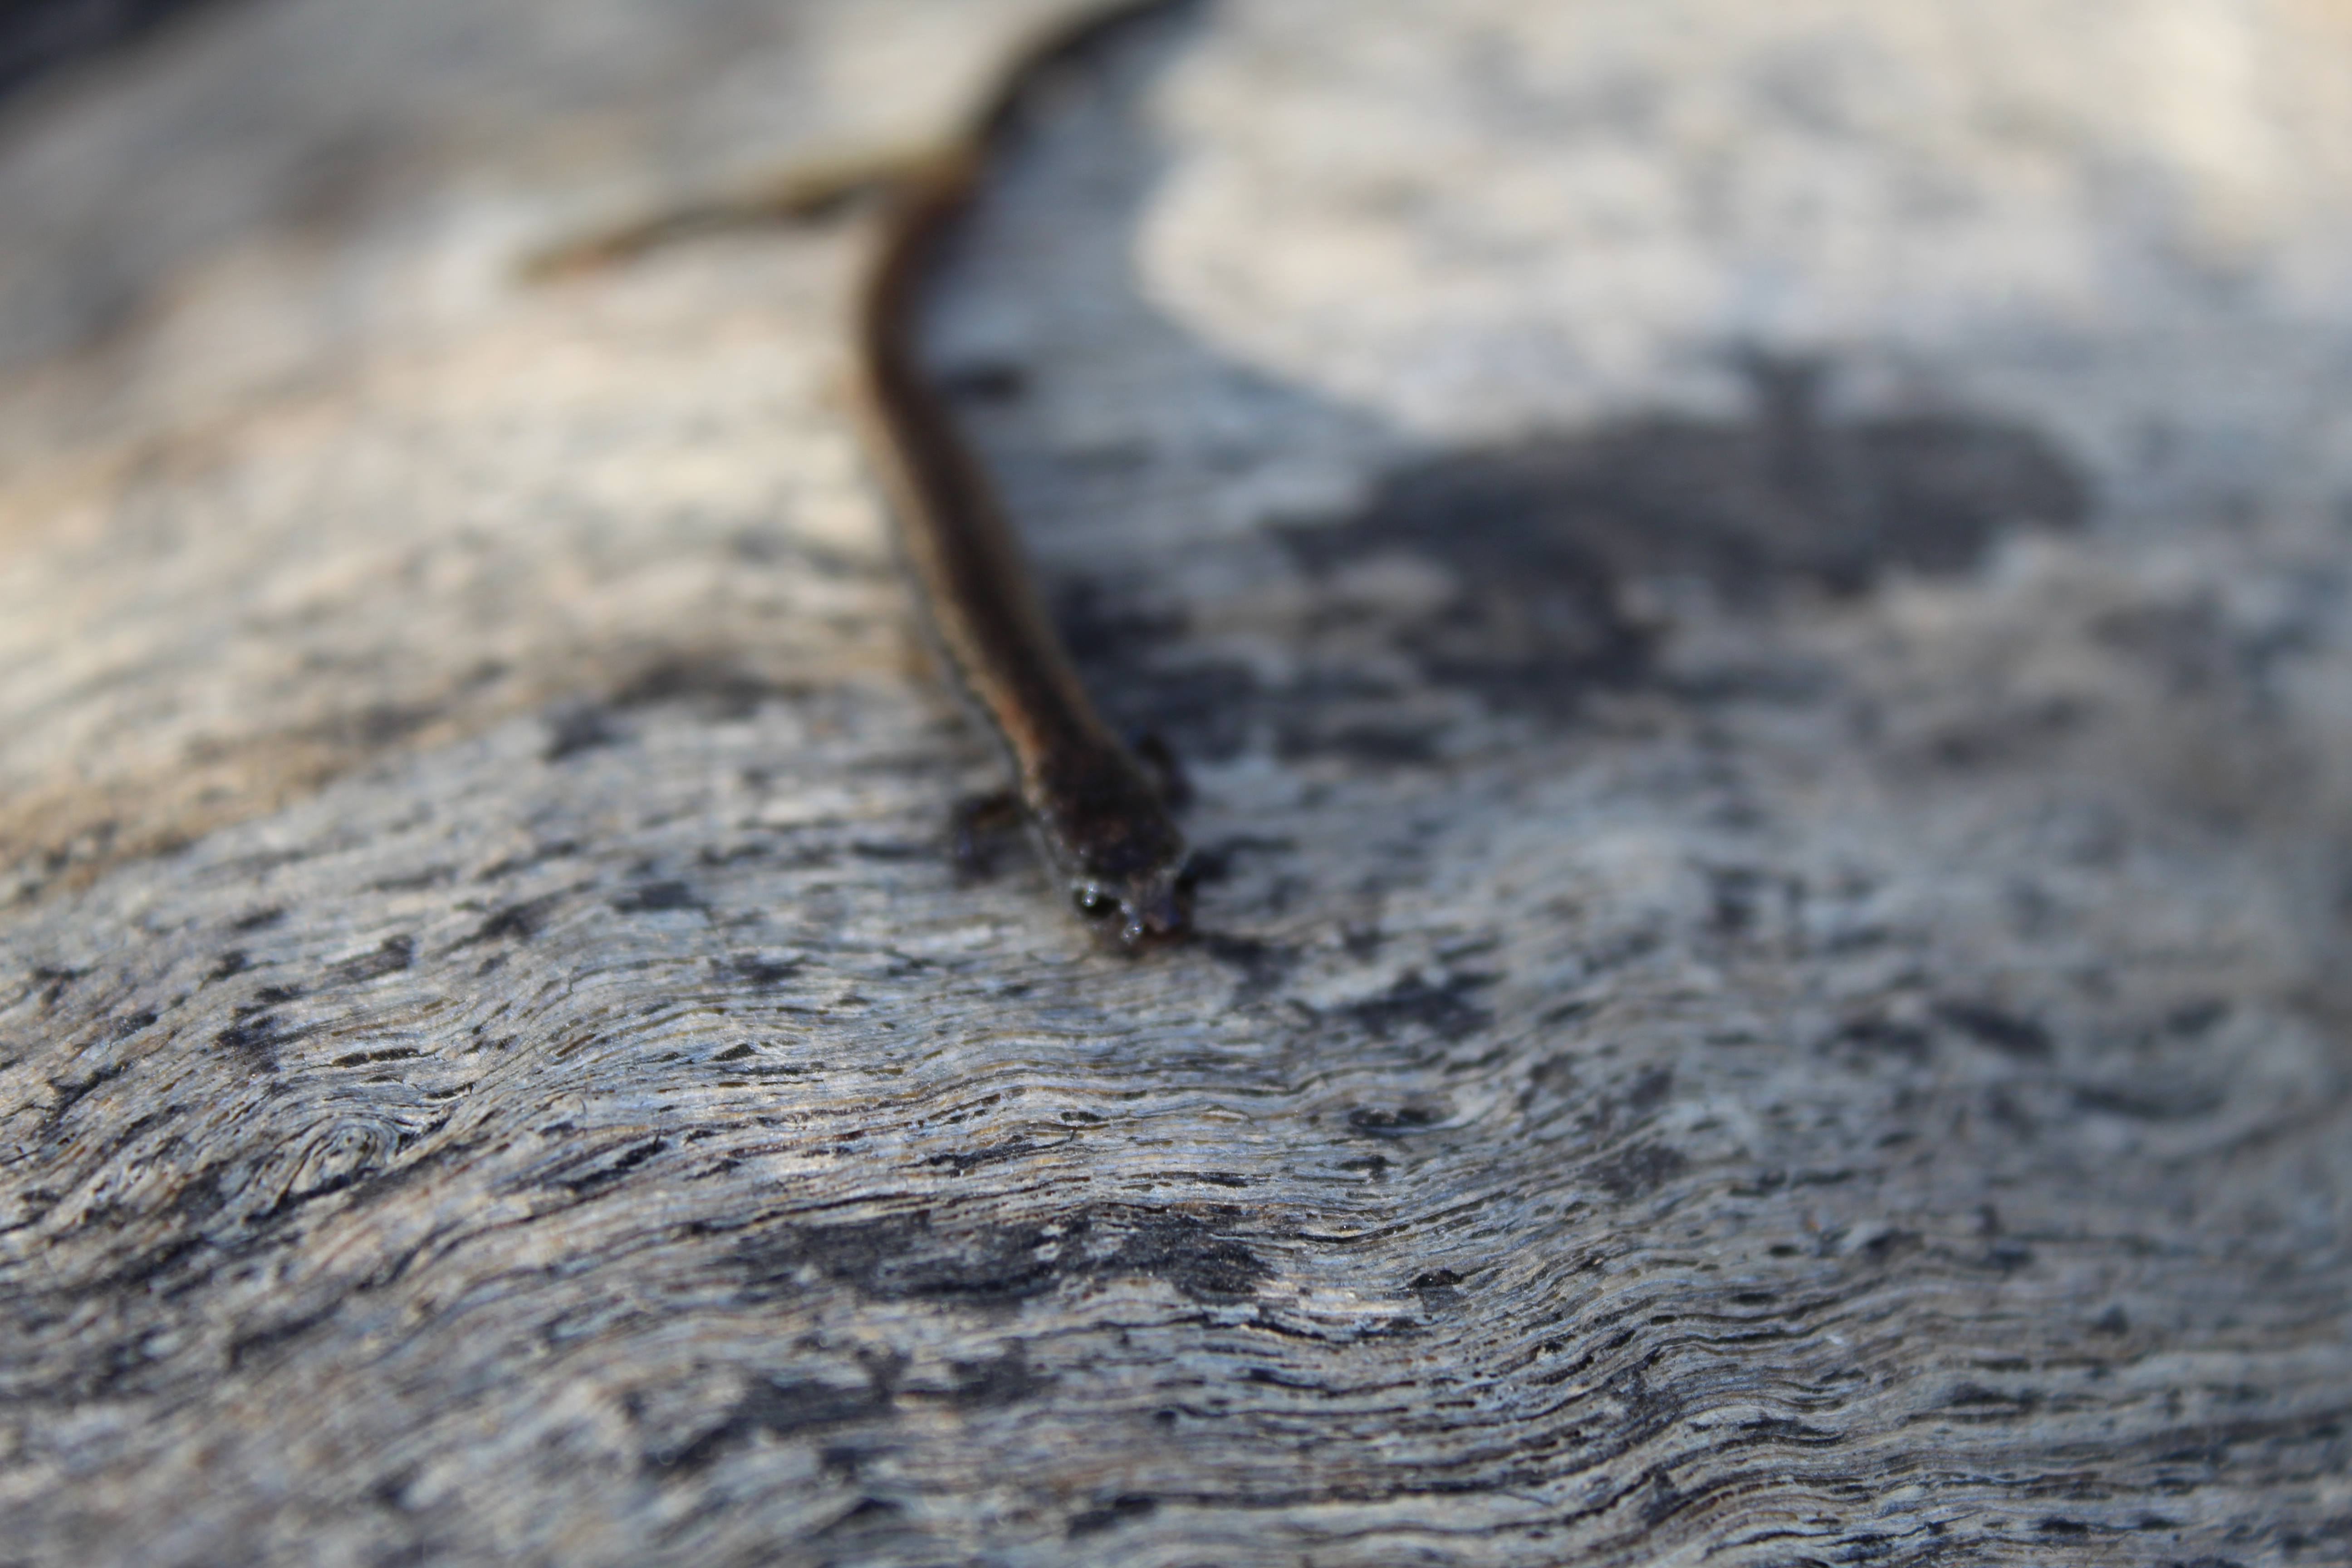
<point>1758,597</point>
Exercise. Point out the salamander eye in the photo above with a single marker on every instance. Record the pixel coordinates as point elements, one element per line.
<point>1093,903</point>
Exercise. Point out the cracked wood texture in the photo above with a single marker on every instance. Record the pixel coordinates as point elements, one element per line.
<point>1757,602</point>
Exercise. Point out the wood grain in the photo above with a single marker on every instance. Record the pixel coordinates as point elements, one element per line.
<point>1756,602</point>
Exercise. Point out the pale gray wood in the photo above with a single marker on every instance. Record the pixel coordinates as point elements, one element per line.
<point>1756,596</point>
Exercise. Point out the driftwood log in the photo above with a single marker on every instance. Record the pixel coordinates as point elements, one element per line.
<point>1758,600</point>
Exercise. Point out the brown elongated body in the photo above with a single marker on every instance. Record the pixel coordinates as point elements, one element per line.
<point>1097,816</point>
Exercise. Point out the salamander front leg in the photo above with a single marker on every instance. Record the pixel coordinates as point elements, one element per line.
<point>976,826</point>
<point>1167,773</point>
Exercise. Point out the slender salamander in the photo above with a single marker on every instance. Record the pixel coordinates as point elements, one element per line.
<point>1097,815</point>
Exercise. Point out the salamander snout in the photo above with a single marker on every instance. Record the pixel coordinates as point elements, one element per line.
<point>1140,912</point>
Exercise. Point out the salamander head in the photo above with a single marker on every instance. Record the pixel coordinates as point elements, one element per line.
<point>1140,910</point>
<point>1122,861</point>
